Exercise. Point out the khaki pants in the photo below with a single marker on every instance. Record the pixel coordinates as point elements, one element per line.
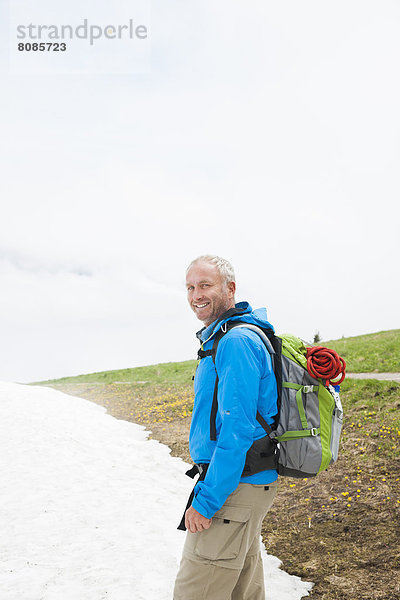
<point>224,561</point>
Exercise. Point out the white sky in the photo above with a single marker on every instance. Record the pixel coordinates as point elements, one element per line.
<point>267,133</point>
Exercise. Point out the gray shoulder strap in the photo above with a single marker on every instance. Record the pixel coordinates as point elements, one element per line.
<point>260,333</point>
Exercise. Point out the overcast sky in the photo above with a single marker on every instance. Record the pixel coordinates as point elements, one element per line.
<point>265,132</point>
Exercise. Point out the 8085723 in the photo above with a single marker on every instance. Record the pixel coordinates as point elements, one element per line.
<point>42,47</point>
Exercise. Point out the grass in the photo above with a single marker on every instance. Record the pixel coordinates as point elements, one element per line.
<point>374,352</point>
<point>375,426</point>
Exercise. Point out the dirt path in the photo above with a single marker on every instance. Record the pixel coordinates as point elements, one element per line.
<point>382,376</point>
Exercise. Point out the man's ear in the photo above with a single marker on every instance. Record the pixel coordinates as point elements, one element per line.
<point>232,288</point>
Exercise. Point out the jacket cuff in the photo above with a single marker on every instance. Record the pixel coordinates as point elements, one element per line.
<point>201,509</point>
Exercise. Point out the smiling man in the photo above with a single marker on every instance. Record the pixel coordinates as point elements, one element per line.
<point>234,385</point>
<point>210,293</point>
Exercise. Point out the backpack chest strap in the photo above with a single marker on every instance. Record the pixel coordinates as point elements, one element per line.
<point>204,353</point>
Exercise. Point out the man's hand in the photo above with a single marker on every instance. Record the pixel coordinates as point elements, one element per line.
<point>195,522</point>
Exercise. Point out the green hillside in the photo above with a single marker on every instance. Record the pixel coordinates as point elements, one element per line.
<point>163,373</point>
<point>374,352</point>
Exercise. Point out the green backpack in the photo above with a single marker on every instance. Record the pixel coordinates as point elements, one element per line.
<point>304,440</point>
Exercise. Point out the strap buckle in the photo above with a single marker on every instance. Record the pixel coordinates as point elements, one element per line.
<point>308,389</point>
<point>314,431</point>
<point>202,467</point>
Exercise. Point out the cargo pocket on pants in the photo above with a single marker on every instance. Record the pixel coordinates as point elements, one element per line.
<point>223,540</point>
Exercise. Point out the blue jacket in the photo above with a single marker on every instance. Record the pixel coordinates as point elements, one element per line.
<point>246,384</point>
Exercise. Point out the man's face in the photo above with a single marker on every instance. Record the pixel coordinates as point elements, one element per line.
<point>209,297</point>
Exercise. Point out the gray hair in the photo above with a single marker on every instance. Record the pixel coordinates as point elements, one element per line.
<point>223,266</point>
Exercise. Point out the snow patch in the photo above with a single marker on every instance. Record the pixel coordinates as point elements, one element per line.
<point>90,506</point>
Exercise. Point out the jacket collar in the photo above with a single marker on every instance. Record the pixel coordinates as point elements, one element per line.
<point>240,308</point>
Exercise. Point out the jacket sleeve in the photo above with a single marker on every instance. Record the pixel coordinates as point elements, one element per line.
<point>241,362</point>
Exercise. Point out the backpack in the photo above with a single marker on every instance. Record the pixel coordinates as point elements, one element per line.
<point>304,438</point>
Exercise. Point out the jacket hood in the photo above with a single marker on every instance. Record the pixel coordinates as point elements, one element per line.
<point>246,315</point>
